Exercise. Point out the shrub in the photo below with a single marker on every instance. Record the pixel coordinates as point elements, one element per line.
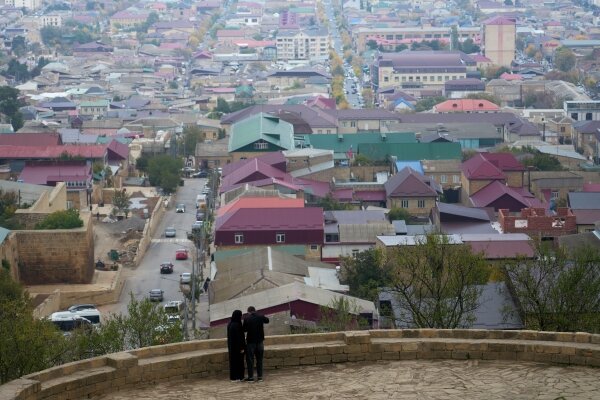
<point>65,219</point>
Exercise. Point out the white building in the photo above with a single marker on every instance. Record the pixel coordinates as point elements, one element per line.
<point>50,20</point>
<point>29,4</point>
<point>309,44</point>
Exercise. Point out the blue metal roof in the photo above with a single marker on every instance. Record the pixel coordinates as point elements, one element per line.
<point>3,234</point>
<point>416,165</point>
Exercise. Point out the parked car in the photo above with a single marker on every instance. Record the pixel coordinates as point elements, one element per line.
<point>181,254</point>
<point>197,226</point>
<point>174,307</point>
<point>166,268</point>
<point>199,174</point>
<point>199,215</point>
<point>81,307</point>
<point>170,232</point>
<point>180,208</point>
<point>156,295</point>
<point>185,278</point>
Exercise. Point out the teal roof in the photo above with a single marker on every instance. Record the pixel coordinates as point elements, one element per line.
<point>293,249</point>
<point>411,151</point>
<point>341,143</point>
<point>302,10</point>
<point>108,139</point>
<point>264,127</point>
<point>3,234</point>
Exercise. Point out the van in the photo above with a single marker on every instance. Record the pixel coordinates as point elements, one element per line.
<point>91,315</point>
<point>174,307</point>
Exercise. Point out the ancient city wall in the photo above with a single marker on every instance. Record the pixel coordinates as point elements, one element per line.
<point>198,359</point>
<point>57,256</point>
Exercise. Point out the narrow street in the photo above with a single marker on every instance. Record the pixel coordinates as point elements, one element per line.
<point>147,276</point>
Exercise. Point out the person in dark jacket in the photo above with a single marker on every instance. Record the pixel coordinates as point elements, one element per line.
<point>255,335</point>
<point>236,344</point>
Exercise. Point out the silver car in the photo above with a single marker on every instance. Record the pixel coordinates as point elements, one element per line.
<point>156,295</point>
<point>170,232</point>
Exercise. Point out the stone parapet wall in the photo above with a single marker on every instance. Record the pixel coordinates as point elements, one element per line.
<point>197,359</point>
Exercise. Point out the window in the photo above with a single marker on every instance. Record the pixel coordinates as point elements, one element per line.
<point>261,145</point>
<point>238,238</point>
<point>355,253</point>
<point>404,204</point>
<point>455,179</point>
<point>443,179</point>
<point>314,247</point>
<point>353,124</point>
<point>280,237</point>
<point>386,79</point>
<point>554,195</point>
<point>421,203</point>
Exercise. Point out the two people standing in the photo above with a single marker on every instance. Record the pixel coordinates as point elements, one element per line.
<point>252,345</point>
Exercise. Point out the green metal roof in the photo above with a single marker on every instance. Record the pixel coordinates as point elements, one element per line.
<point>341,143</point>
<point>262,126</point>
<point>411,151</point>
<point>108,139</point>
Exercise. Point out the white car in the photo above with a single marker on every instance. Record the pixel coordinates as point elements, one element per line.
<point>185,278</point>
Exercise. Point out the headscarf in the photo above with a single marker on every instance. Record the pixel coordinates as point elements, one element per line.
<point>236,316</point>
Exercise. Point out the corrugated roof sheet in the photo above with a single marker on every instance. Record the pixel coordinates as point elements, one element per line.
<point>259,219</point>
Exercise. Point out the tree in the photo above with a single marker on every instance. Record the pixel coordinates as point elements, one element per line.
<point>121,202</point>
<point>398,214</point>
<point>557,291</point>
<point>17,71</point>
<point>366,273</point>
<point>564,59</point>
<point>27,344</point>
<point>372,44</point>
<point>141,164</point>
<point>494,72</point>
<point>192,135</point>
<point>329,203</point>
<point>19,46</point>
<point>64,219</point>
<point>222,106</point>
<point>544,162</point>
<point>485,96</point>
<point>163,171</point>
<point>428,103</point>
<point>341,314</point>
<point>469,47</point>
<point>361,159</point>
<point>436,282</point>
<point>9,203</point>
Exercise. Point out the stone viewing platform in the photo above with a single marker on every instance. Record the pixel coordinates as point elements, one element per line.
<point>389,363</point>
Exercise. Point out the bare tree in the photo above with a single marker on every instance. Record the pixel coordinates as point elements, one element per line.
<point>436,282</point>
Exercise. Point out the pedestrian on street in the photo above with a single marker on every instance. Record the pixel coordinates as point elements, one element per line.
<point>255,336</point>
<point>236,344</point>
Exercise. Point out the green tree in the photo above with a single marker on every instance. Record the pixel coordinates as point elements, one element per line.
<point>564,59</point>
<point>469,47</point>
<point>27,344</point>
<point>329,204</point>
<point>360,159</point>
<point>64,219</point>
<point>9,106</point>
<point>141,164</point>
<point>222,106</point>
<point>485,96</point>
<point>544,162</point>
<point>19,46</point>
<point>436,282</point>
<point>9,203</point>
<point>557,291</point>
<point>121,202</point>
<point>366,273</point>
<point>428,103</point>
<point>372,44</point>
<point>192,135</point>
<point>17,71</point>
<point>164,171</point>
<point>397,214</point>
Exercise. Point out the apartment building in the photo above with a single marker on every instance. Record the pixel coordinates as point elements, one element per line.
<point>400,34</point>
<point>308,44</point>
<point>500,40</point>
<point>29,4</point>
<point>50,20</point>
<point>421,68</point>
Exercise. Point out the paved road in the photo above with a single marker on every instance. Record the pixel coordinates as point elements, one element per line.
<point>435,379</point>
<point>147,275</point>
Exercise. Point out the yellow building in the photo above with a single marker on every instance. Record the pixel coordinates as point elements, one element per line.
<point>499,38</point>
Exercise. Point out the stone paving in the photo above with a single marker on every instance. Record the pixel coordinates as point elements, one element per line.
<point>449,379</point>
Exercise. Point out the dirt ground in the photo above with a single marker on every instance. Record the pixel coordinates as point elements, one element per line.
<point>122,236</point>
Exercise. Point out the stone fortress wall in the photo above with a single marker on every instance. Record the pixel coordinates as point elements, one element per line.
<point>198,359</point>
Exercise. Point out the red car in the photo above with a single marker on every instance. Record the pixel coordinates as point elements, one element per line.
<point>181,254</point>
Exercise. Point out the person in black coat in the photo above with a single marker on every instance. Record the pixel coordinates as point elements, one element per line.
<point>255,335</point>
<point>236,344</point>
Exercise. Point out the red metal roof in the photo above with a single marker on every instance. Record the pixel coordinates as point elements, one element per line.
<point>268,219</point>
<point>478,168</point>
<point>504,161</point>
<point>250,171</point>
<point>466,105</point>
<point>30,139</point>
<point>370,195</point>
<point>502,249</point>
<point>496,189</point>
<point>409,183</point>
<point>43,174</point>
<point>52,152</point>
<point>499,20</point>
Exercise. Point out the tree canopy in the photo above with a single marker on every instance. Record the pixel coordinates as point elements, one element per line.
<point>64,219</point>
<point>164,171</point>
<point>564,59</point>
<point>557,291</point>
<point>428,103</point>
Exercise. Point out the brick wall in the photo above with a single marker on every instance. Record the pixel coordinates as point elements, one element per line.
<point>9,254</point>
<point>413,207</point>
<point>57,256</point>
<point>203,358</point>
<point>534,221</point>
<point>514,178</point>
